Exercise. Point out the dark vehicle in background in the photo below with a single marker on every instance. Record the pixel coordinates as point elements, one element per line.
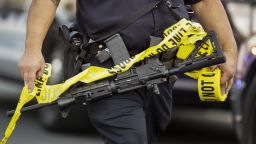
<point>243,94</point>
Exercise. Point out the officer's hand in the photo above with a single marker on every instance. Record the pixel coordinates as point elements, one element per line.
<point>228,69</point>
<point>31,65</point>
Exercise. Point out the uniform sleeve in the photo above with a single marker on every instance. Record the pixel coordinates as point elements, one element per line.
<point>190,2</point>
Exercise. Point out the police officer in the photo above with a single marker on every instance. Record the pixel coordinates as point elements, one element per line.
<point>135,117</point>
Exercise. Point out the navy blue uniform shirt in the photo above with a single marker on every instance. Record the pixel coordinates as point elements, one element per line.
<point>97,15</point>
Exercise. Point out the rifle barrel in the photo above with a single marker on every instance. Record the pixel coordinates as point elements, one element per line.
<point>29,108</point>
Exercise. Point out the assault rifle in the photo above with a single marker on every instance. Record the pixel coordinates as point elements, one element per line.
<point>149,74</point>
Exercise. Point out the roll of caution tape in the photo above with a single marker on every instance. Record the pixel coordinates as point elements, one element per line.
<point>209,86</point>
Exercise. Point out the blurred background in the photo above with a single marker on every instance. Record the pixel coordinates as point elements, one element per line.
<point>194,122</point>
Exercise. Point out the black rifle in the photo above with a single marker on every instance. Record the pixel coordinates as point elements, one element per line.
<point>149,75</point>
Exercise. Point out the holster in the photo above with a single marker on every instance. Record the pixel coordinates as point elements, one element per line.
<point>75,42</point>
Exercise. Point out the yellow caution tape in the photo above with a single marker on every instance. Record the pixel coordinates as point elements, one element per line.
<point>25,97</point>
<point>209,85</point>
<point>183,34</point>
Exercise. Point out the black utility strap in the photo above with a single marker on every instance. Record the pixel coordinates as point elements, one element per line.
<point>126,21</point>
<point>176,16</point>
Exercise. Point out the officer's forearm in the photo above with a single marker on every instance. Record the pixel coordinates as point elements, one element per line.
<point>40,17</point>
<point>212,16</point>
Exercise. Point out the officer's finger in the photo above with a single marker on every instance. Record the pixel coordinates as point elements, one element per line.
<point>212,68</point>
<point>31,80</point>
<point>223,88</point>
<point>25,77</point>
<point>21,70</point>
<point>230,83</point>
<point>226,74</point>
<point>40,71</point>
<point>22,74</point>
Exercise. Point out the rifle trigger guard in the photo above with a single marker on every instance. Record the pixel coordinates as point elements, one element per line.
<point>64,105</point>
